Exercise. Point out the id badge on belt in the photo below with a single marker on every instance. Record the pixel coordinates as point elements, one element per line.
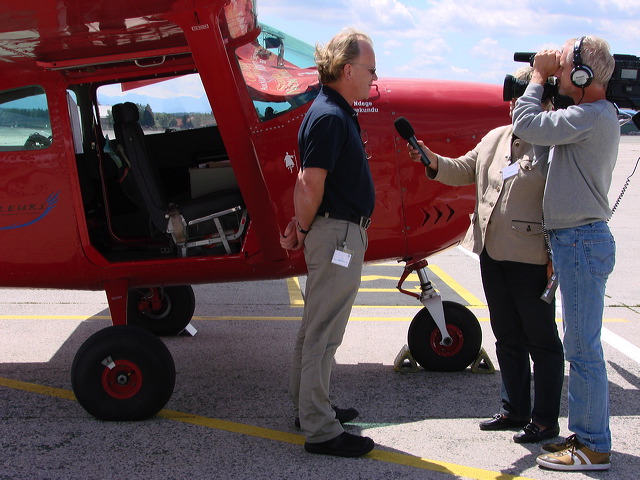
<point>342,256</point>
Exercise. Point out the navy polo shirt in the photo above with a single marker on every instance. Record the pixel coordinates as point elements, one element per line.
<point>329,138</point>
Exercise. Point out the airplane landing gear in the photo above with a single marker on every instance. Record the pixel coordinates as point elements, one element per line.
<point>424,339</point>
<point>123,373</point>
<point>444,336</point>
<point>164,311</point>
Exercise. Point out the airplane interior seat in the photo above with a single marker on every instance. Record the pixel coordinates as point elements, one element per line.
<point>214,219</point>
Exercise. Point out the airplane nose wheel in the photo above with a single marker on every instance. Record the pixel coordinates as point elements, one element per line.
<point>123,373</point>
<point>425,339</point>
<point>444,336</point>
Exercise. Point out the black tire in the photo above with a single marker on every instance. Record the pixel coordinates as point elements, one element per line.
<point>175,313</point>
<point>123,373</point>
<point>424,339</point>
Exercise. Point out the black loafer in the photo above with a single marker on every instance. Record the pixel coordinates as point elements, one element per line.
<point>531,433</point>
<point>343,415</point>
<point>344,445</point>
<point>502,422</point>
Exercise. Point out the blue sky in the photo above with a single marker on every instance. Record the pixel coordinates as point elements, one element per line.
<point>468,40</point>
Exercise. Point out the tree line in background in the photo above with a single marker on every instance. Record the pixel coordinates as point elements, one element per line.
<point>163,121</point>
<point>37,118</point>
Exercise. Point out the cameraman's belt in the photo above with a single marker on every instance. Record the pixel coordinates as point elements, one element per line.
<point>364,222</point>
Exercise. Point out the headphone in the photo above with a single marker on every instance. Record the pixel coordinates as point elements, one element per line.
<point>581,75</point>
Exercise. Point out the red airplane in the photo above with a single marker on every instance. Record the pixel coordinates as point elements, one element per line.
<point>105,187</point>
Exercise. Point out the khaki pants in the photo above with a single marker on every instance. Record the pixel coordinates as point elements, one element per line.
<point>329,295</point>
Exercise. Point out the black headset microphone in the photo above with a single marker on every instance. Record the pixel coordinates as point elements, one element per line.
<point>405,130</point>
<point>581,75</point>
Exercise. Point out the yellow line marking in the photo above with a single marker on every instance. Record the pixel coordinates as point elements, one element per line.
<point>297,319</point>
<point>388,264</point>
<point>54,317</point>
<point>459,289</point>
<point>34,388</point>
<point>285,437</point>
<point>295,294</point>
<point>279,318</point>
<point>234,427</point>
<point>219,319</point>
<point>389,290</point>
<point>413,277</point>
<point>441,467</point>
<point>417,306</point>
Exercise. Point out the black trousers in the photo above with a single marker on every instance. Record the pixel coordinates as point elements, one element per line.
<point>524,326</point>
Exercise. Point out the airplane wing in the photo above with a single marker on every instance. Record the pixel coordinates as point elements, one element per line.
<point>56,34</point>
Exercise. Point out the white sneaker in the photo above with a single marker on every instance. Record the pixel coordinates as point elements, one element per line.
<point>576,457</point>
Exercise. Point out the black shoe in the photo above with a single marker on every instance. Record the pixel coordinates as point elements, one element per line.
<point>343,415</point>
<point>344,445</point>
<point>531,433</point>
<point>502,422</point>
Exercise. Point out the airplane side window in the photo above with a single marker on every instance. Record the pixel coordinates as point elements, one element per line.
<point>165,104</point>
<point>24,119</point>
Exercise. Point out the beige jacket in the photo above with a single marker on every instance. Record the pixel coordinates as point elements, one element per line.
<point>507,220</point>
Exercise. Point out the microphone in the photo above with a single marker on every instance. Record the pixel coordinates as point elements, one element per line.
<point>405,130</point>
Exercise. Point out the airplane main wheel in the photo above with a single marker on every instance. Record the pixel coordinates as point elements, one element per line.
<point>123,373</point>
<point>424,339</point>
<point>164,310</point>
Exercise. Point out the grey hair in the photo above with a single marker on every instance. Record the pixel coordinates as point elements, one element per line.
<point>341,49</point>
<point>595,53</point>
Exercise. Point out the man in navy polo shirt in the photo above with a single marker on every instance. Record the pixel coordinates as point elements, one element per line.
<point>334,199</point>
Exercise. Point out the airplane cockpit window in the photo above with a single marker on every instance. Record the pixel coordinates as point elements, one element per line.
<point>24,119</point>
<point>279,71</point>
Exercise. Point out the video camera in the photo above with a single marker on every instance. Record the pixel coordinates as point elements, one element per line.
<point>623,88</point>
<point>514,88</point>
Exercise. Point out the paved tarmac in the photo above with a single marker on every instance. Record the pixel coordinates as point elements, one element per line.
<point>230,416</point>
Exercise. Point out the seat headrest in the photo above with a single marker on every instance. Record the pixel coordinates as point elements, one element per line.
<point>125,112</point>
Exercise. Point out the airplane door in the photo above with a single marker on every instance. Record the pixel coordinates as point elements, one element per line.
<point>38,223</point>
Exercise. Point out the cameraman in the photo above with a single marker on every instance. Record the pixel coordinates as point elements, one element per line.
<point>506,231</point>
<point>585,139</point>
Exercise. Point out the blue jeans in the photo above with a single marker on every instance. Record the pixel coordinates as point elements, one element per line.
<point>583,258</point>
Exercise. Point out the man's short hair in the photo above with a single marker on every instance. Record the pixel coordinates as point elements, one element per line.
<point>595,53</point>
<point>342,49</point>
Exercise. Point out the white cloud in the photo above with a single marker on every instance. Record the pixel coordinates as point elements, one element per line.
<point>455,39</point>
<point>187,86</point>
<point>382,14</point>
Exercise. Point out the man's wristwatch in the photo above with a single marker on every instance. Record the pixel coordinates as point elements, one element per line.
<point>302,230</point>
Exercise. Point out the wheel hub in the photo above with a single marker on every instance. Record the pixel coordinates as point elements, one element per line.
<point>122,379</point>
<point>155,304</point>
<point>457,341</point>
